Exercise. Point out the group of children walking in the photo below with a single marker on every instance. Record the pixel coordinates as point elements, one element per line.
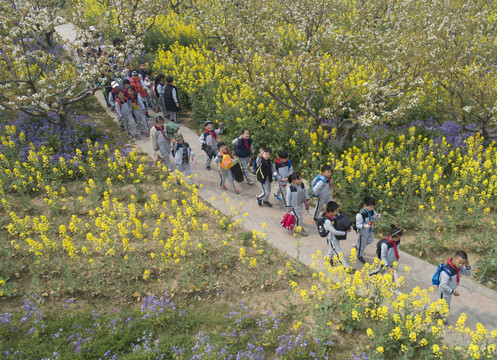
<point>132,95</point>
<point>131,99</point>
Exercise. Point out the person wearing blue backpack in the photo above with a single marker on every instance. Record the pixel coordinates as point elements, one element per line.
<point>321,188</point>
<point>244,149</point>
<point>449,276</point>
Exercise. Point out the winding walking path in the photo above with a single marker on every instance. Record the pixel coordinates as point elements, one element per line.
<point>478,302</point>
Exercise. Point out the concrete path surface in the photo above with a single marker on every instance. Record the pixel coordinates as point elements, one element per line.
<point>478,302</point>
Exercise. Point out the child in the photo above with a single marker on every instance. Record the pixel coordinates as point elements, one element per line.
<point>224,173</point>
<point>152,99</point>
<point>332,232</point>
<point>171,102</point>
<point>455,266</point>
<point>296,195</point>
<point>136,102</point>
<point>264,176</point>
<point>321,188</point>
<point>364,223</point>
<point>283,168</point>
<point>389,249</point>
<point>125,114</point>
<point>244,149</point>
<point>126,84</point>
<point>142,70</point>
<point>182,152</point>
<point>160,87</point>
<point>113,96</point>
<point>139,87</point>
<point>208,140</point>
<point>160,142</point>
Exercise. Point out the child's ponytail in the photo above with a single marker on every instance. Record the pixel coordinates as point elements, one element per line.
<point>295,176</point>
<point>395,231</point>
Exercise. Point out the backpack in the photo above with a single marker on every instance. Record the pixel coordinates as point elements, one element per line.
<point>378,247</point>
<point>436,277</point>
<point>320,224</point>
<point>171,129</point>
<point>227,162</point>
<point>315,181</point>
<point>343,223</point>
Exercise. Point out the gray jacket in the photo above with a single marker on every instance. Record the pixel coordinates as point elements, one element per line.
<point>360,222</point>
<point>178,150</point>
<point>388,254</point>
<point>283,172</point>
<point>123,108</point>
<point>448,284</point>
<point>332,232</point>
<point>207,138</point>
<point>295,196</point>
<point>322,190</point>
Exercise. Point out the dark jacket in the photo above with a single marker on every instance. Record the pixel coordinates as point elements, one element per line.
<point>168,98</point>
<point>264,170</point>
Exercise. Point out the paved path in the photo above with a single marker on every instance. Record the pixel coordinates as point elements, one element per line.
<point>478,302</point>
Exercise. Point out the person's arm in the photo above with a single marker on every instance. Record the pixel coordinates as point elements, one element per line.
<point>252,148</point>
<point>466,269</point>
<point>444,283</point>
<point>118,109</point>
<point>220,129</point>
<point>384,252</point>
<point>360,223</point>
<point>307,198</point>
<point>202,139</point>
<point>141,105</point>
<point>317,187</point>
<point>218,158</point>
<point>112,100</point>
<point>173,150</point>
<point>329,227</point>
<point>153,138</point>
<point>258,161</point>
<point>288,199</point>
<point>236,141</point>
<point>175,97</point>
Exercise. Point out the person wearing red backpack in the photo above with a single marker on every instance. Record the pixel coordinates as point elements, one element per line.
<point>455,266</point>
<point>244,149</point>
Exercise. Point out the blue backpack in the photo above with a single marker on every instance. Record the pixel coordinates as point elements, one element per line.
<point>315,181</point>
<point>436,277</point>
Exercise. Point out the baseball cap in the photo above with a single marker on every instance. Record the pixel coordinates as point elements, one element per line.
<point>114,84</point>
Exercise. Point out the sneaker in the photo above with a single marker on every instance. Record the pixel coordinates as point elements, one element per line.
<point>235,191</point>
<point>304,233</point>
<point>137,137</point>
<point>361,259</point>
<point>208,167</point>
<point>277,197</point>
<point>397,292</point>
<point>259,201</point>
<point>250,182</point>
<point>223,188</point>
<point>268,204</point>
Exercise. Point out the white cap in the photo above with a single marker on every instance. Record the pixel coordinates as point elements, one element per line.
<point>92,28</point>
<point>114,84</point>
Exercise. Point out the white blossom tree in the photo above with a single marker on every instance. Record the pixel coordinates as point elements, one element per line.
<point>37,77</point>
